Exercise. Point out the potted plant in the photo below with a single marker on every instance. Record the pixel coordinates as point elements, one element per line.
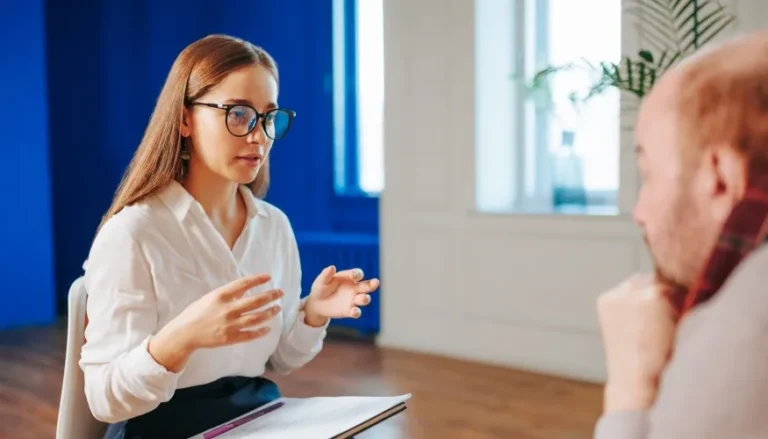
<point>672,29</point>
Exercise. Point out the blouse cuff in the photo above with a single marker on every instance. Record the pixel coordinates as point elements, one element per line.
<point>305,338</point>
<point>151,375</point>
<point>623,425</point>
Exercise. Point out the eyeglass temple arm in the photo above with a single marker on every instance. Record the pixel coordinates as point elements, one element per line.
<point>219,106</point>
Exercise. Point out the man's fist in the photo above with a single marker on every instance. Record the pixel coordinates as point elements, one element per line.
<point>638,324</point>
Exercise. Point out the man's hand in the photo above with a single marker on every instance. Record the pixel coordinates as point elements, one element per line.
<point>638,324</point>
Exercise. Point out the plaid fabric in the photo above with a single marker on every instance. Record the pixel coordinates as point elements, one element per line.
<point>745,229</point>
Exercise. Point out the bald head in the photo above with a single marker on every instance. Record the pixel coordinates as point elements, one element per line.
<point>719,96</point>
<point>701,133</point>
<point>744,48</point>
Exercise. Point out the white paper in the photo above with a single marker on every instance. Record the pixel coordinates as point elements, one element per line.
<point>313,418</point>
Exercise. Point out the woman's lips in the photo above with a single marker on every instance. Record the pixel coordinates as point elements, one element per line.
<point>250,161</point>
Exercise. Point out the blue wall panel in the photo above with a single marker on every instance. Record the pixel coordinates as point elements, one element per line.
<point>94,68</point>
<point>26,244</point>
<point>108,64</point>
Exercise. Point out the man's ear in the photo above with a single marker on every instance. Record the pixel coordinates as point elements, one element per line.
<point>728,178</point>
<point>186,123</point>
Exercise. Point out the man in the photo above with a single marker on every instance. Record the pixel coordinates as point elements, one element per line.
<point>687,348</point>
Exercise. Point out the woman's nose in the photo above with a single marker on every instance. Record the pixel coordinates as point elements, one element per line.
<point>257,135</point>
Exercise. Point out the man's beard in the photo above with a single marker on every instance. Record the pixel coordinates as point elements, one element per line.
<point>673,289</point>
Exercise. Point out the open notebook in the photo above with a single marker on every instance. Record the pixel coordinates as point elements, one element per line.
<point>310,418</point>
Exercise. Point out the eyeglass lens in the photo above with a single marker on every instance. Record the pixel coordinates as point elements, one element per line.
<point>242,119</point>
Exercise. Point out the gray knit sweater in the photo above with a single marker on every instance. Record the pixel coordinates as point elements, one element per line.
<point>716,385</point>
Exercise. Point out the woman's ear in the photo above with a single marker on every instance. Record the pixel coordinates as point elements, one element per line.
<point>186,123</point>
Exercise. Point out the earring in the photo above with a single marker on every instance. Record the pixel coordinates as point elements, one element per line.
<point>184,150</point>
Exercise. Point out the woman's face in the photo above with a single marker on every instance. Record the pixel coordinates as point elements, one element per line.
<point>214,149</point>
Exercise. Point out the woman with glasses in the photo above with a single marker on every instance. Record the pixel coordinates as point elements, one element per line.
<point>193,280</point>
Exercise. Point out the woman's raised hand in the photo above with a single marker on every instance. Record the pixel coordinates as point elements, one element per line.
<point>338,295</point>
<point>219,318</point>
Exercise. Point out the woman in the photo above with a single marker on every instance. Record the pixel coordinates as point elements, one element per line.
<point>193,281</point>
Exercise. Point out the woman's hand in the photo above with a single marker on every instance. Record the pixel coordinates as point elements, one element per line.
<point>221,317</point>
<point>337,295</point>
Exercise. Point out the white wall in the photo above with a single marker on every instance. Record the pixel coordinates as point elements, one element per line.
<point>505,289</point>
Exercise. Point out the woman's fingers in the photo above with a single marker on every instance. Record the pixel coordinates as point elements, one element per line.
<point>239,287</point>
<point>326,276</point>
<point>362,299</point>
<point>255,302</point>
<point>355,312</point>
<point>255,319</point>
<point>353,274</point>
<point>368,286</point>
<point>250,334</point>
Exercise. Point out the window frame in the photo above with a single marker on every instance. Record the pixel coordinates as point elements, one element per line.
<point>531,167</point>
<point>356,209</point>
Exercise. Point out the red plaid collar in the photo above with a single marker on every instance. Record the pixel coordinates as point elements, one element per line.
<point>745,229</point>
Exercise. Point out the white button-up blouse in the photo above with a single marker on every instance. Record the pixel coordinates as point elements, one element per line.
<point>153,259</point>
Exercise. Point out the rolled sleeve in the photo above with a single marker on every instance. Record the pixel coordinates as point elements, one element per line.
<point>122,380</point>
<point>299,343</point>
<point>305,338</point>
<point>623,425</point>
<point>149,374</point>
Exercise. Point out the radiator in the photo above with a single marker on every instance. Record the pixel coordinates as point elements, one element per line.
<point>344,250</point>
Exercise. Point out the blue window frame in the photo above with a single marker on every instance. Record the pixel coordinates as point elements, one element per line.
<point>358,81</point>
<point>358,84</point>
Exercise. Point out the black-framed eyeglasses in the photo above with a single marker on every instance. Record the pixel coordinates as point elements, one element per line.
<point>241,119</point>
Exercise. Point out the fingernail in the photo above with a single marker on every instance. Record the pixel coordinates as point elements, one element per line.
<point>358,273</point>
<point>356,312</point>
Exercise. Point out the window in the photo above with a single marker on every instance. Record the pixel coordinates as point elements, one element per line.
<point>358,70</point>
<point>541,152</point>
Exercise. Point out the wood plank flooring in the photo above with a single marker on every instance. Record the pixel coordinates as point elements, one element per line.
<point>451,398</point>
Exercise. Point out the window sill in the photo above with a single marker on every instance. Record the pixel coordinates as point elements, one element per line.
<point>563,211</point>
<point>553,224</point>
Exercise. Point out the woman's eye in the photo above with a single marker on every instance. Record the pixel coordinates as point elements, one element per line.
<point>237,117</point>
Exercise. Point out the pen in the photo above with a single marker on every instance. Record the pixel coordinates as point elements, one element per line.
<point>218,431</point>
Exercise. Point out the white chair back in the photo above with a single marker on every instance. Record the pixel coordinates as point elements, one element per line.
<point>75,419</point>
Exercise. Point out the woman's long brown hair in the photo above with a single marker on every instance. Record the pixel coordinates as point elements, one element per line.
<point>199,67</point>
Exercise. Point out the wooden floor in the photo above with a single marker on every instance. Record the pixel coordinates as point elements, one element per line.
<point>451,399</point>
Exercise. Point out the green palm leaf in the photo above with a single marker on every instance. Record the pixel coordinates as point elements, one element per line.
<point>698,21</point>
<point>673,29</point>
<point>656,23</point>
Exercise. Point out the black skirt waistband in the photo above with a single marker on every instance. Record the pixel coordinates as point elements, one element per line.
<point>194,410</point>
